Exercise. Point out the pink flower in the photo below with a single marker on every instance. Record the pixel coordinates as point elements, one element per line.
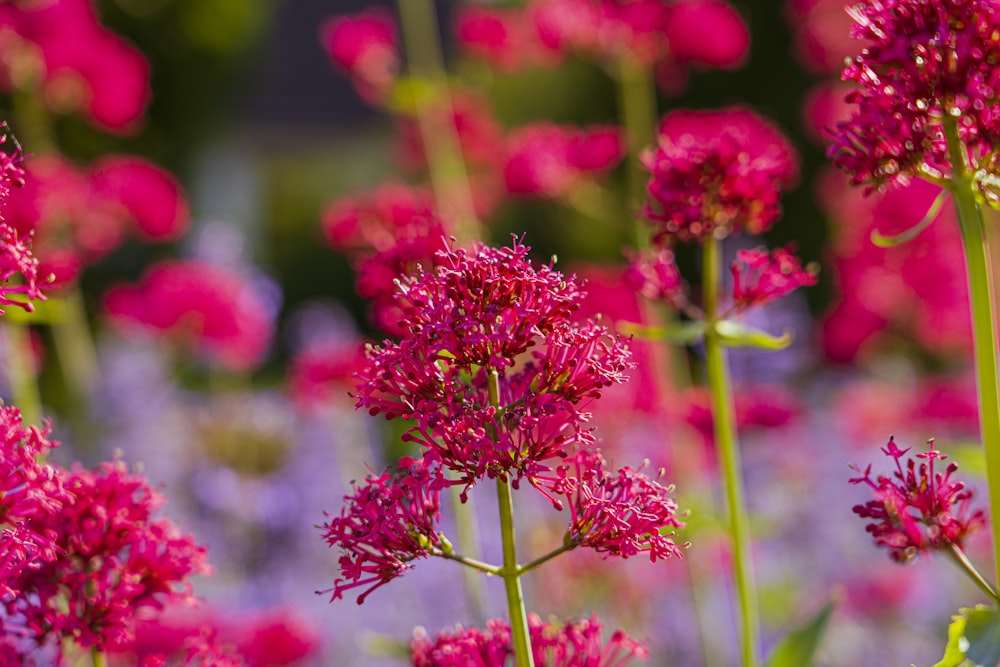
<point>575,644</point>
<point>364,45</point>
<point>922,60</point>
<point>504,37</point>
<point>16,259</point>
<point>760,277</point>
<point>623,514</point>
<point>83,65</point>
<point>483,312</point>
<point>201,306</point>
<point>112,560</point>
<point>79,215</point>
<point>324,370</point>
<point>707,32</point>
<point>716,172</point>
<point>388,522</point>
<point>548,160</point>
<point>29,491</point>
<point>654,274</point>
<point>917,509</point>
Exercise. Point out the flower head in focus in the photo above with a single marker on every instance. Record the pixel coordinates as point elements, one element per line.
<point>553,644</point>
<point>623,514</point>
<point>922,61</point>
<point>716,173</point>
<point>18,266</point>
<point>29,491</point>
<point>918,509</point>
<point>390,520</point>
<point>112,559</point>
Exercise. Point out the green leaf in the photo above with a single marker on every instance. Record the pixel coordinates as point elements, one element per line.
<point>973,638</point>
<point>734,334</point>
<point>798,648</point>
<point>883,241</point>
<point>684,333</point>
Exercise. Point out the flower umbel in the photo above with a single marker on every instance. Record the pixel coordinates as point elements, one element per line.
<point>918,509</point>
<point>923,60</point>
<point>760,277</point>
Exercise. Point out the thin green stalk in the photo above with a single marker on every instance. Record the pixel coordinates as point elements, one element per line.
<point>729,457</point>
<point>511,571</point>
<point>75,345</point>
<point>528,567</point>
<point>449,178</point>
<point>474,564</point>
<point>637,102</point>
<point>983,303</point>
<point>963,562</point>
<point>21,373</point>
<point>98,657</point>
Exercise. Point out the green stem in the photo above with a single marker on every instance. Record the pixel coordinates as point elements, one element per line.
<point>729,456</point>
<point>637,103</point>
<point>474,564</point>
<point>75,345</point>
<point>20,371</point>
<point>569,546</point>
<point>98,657</point>
<point>511,571</point>
<point>983,303</point>
<point>449,178</point>
<point>963,562</point>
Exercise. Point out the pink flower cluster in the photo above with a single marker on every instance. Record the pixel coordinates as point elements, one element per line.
<point>29,491</point>
<point>18,266</point>
<point>760,277</point>
<point>574,644</point>
<point>110,558</point>
<point>922,60</point>
<point>390,520</point>
<point>198,305</point>
<point>548,160</point>
<point>59,52</point>
<point>365,47</point>
<point>716,173</point>
<point>492,376</point>
<point>918,509</point>
<point>623,514</point>
<point>79,215</point>
<point>387,233</point>
<point>671,35</point>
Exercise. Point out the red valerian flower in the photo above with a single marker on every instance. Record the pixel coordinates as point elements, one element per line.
<point>623,514</point>
<point>573,644</point>
<point>505,37</point>
<point>364,45</point>
<point>111,560</point>
<point>548,160</point>
<point>16,259</point>
<point>205,306</point>
<point>71,62</point>
<point>653,273</point>
<point>29,490</point>
<point>388,522</point>
<point>922,60</point>
<point>707,32</point>
<point>760,277</point>
<point>716,173</point>
<point>475,318</point>
<point>918,509</point>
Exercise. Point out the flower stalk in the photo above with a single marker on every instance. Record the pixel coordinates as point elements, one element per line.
<point>726,446</point>
<point>449,179</point>
<point>511,572</point>
<point>982,300</point>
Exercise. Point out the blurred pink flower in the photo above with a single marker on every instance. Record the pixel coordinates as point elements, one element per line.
<point>504,37</point>
<point>760,277</point>
<point>364,46</point>
<point>707,32</point>
<point>206,307</point>
<point>81,65</point>
<point>79,215</point>
<point>324,370</point>
<point>548,160</point>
